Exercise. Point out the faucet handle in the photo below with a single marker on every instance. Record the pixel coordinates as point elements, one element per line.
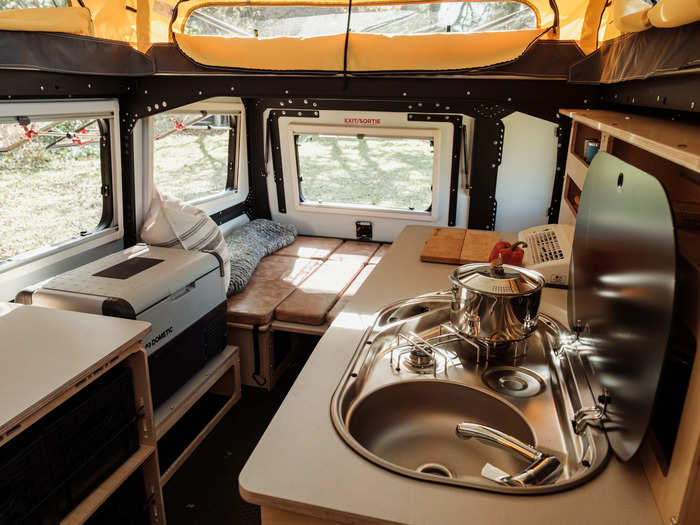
<point>542,466</point>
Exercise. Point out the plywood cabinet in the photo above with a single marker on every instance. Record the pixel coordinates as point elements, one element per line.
<point>670,151</point>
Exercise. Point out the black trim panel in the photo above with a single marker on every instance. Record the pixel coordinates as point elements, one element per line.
<point>646,54</point>
<point>275,146</point>
<point>65,53</point>
<point>223,216</point>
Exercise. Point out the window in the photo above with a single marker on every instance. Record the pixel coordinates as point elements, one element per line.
<point>25,4</point>
<point>55,181</point>
<point>194,154</point>
<point>370,171</point>
<point>306,21</point>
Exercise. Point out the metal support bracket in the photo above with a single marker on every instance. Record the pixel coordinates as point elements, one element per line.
<point>488,150</point>
<point>274,145</point>
<point>456,121</point>
<point>563,133</point>
<point>591,416</point>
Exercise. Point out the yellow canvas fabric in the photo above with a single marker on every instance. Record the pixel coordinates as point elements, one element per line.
<point>323,53</point>
<point>366,52</point>
<point>445,51</point>
<point>112,20</point>
<point>75,20</point>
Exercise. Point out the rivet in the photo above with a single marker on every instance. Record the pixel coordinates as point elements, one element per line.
<point>447,117</point>
<point>148,108</point>
<point>299,113</point>
<point>493,165</point>
<point>284,112</point>
<point>290,101</point>
<point>281,103</point>
<point>428,117</point>
<point>89,86</point>
<point>658,97</point>
<point>232,88</point>
<point>286,92</point>
<point>509,99</point>
<point>157,107</point>
<point>145,92</point>
<point>495,143</point>
<point>585,101</point>
<point>42,88</point>
<point>306,101</point>
<point>404,93</point>
<point>447,108</point>
<point>437,104</point>
<point>164,104</point>
<point>692,104</point>
<point>316,113</point>
<point>199,92</point>
<point>410,107</point>
<point>469,92</point>
<point>420,104</point>
<point>314,104</point>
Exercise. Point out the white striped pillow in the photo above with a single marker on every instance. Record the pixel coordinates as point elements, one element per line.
<point>172,223</point>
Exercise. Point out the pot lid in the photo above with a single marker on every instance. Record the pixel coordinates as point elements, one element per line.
<point>497,279</point>
<point>621,298</point>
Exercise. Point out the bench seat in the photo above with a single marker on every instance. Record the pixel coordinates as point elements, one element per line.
<point>311,247</point>
<point>289,295</point>
<point>302,283</point>
<point>312,300</point>
<point>275,278</point>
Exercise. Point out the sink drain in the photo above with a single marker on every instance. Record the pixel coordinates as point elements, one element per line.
<point>435,469</point>
<point>513,381</point>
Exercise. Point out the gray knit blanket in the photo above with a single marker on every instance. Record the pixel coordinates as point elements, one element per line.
<point>250,243</point>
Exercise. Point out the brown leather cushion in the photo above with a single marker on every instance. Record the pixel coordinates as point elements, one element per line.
<point>350,292</point>
<point>355,251</point>
<point>381,252</point>
<point>311,247</point>
<point>273,280</point>
<point>310,302</point>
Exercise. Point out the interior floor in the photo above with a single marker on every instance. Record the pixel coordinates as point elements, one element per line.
<point>214,498</point>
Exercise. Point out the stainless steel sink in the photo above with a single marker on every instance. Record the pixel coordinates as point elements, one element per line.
<point>399,408</point>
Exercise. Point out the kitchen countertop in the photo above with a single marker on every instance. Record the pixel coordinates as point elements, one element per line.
<point>302,465</point>
<point>43,351</point>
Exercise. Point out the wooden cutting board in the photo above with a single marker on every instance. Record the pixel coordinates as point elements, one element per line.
<point>458,246</point>
<point>444,246</point>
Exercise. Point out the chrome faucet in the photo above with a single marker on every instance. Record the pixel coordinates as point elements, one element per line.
<point>542,466</point>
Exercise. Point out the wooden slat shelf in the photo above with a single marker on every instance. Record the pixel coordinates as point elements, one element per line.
<point>676,141</point>
<point>165,477</point>
<point>181,401</point>
<point>98,496</point>
<point>669,151</point>
<point>221,375</point>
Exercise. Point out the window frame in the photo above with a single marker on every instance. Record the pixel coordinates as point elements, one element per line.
<point>234,151</point>
<point>429,214</point>
<point>109,228</point>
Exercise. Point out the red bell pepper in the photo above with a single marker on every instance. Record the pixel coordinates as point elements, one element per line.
<point>510,253</point>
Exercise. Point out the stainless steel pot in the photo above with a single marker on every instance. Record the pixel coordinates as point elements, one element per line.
<point>495,304</point>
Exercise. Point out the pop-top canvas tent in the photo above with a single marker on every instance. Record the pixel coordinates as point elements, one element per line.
<point>337,35</point>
